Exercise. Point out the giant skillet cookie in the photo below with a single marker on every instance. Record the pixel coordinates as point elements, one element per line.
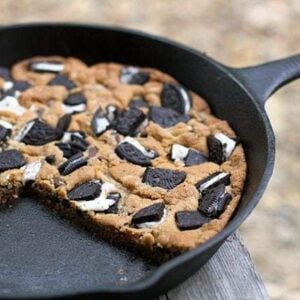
<point>127,152</point>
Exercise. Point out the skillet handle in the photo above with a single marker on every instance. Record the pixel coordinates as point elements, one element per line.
<point>263,80</point>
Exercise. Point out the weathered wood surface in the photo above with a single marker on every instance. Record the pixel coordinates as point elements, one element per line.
<point>229,275</point>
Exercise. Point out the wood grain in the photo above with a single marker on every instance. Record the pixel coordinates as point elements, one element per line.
<point>230,274</point>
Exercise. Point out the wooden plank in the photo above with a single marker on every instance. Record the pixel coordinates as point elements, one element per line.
<point>230,274</point>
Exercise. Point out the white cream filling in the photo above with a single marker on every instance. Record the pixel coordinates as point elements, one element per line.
<point>143,125</point>
<point>48,66</point>
<point>213,180</point>
<point>111,112</point>
<point>179,152</point>
<point>101,124</point>
<point>101,203</point>
<point>186,100</point>
<point>127,74</point>
<point>11,104</point>
<point>8,85</point>
<point>138,145</point>
<point>228,142</point>
<point>66,137</point>
<point>69,109</point>
<point>17,94</point>
<point>31,171</point>
<point>154,223</point>
<point>6,124</point>
<point>24,130</point>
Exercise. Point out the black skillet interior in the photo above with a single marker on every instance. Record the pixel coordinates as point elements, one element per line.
<point>41,255</point>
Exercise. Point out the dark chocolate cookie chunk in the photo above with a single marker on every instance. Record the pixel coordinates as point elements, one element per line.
<point>152,213</point>
<point>62,80</point>
<point>195,158</point>
<point>50,159</point>
<point>132,75</point>
<point>64,122</point>
<point>38,133</point>
<point>176,97</point>
<point>45,66</point>
<point>213,180</point>
<point>11,159</point>
<point>188,220</point>
<point>164,178</point>
<point>130,153</point>
<point>86,191</point>
<point>5,74</point>
<point>75,99</point>
<point>4,133</point>
<point>214,201</point>
<point>138,103</point>
<point>166,117</point>
<point>73,163</point>
<point>128,121</point>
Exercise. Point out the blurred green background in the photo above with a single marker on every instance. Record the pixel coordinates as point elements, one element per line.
<point>237,33</point>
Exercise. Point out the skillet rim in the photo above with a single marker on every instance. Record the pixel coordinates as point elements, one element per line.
<point>154,277</point>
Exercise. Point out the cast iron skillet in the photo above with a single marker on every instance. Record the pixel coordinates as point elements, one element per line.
<point>44,256</point>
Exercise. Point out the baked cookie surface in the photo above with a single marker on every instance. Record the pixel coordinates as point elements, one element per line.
<point>125,151</point>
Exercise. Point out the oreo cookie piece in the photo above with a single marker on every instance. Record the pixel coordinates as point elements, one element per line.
<point>227,142</point>
<point>113,209</point>
<point>62,80</point>
<point>133,75</point>
<point>11,159</point>
<point>195,158</point>
<point>212,181</point>
<point>75,144</point>
<point>73,163</point>
<point>220,147</point>
<point>214,201</point>
<point>66,149</point>
<point>152,213</point>
<point>128,121</point>
<point>45,66</point>
<point>188,157</point>
<point>176,97</point>
<point>147,152</point>
<point>179,152</point>
<point>86,191</point>
<point>38,133</point>
<point>132,154</point>
<point>5,74</point>
<point>164,178</point>
<point>102,120</point>
<point>75,99</point>
<point>79,142</point>
<point>215,150</point>
<point>18,87</point>
<point>64,122</point>
<point>4,133</point>
<point>188,220</point>
<point>166,117</point>
<point>67,137</point>
<point>138,103</point>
